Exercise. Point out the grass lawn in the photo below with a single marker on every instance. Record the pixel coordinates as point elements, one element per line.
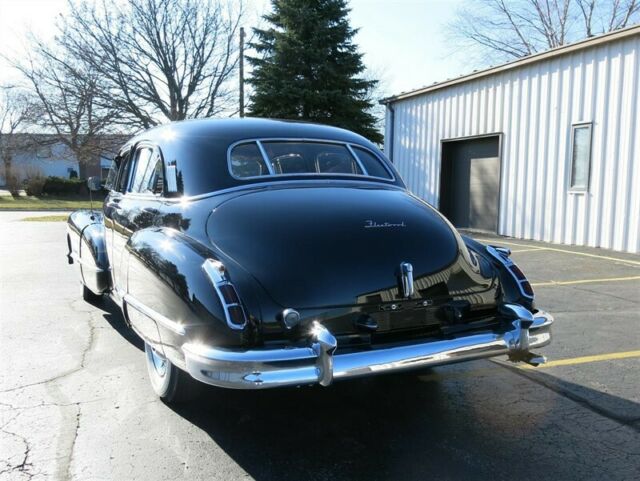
<point>47,218</point>
<point>45,203</point>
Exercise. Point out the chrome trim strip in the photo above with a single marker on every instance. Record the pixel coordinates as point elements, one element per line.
<point>174,326</point>
<point>315,175</point>
<point>86,265</point>
<point>265,158</point>
<point>358,161</point>
<point>268,368</point>
<point>270,183</point>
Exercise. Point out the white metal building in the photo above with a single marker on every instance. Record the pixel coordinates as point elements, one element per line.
<point>546,147</point>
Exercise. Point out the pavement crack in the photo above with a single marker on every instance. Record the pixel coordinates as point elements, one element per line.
<point>24,466</point>
<point>69,458</point>
<point>83,358</point>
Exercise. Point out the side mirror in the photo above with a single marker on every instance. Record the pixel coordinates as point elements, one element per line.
<point>93,183</point>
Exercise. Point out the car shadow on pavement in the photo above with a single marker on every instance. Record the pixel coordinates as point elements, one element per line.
<point>442,425</point>
<point>400,426</point>
<point>113,315</point>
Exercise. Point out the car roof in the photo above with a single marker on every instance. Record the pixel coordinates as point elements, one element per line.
<point>199,148</point>
<point>233,130</point>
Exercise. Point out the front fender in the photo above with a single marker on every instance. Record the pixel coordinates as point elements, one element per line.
<point>87,247</point>
<point>170,300</point>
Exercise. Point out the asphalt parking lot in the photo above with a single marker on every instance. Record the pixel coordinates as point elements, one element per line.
<point>75,402</point>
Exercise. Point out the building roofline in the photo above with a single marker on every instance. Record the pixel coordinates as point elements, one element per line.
<point>536,57</point>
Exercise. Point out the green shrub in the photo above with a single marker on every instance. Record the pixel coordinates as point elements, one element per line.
<point>34,185</point>
<point>62,186</point>
<point>34,182</point>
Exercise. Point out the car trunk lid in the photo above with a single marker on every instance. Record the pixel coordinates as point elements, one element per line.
<point>331,246</point>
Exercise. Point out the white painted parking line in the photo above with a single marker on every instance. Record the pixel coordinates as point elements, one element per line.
<point>585,359</point>
<point>516,251</point>
<point>565,251</point>
<point>572,361</point>
<point>585,281</point>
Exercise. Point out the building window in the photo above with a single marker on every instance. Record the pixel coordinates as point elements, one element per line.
<point>580,157</point>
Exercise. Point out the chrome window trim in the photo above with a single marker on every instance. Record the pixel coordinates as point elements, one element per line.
<point>265,158</point>
<point>143,144</point>
<point>358,161</point>
<point>259,141</point>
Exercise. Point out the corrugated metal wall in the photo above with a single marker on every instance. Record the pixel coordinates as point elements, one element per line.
<point>534,107</point>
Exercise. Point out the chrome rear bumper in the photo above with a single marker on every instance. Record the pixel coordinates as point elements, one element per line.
<point>317,363</point>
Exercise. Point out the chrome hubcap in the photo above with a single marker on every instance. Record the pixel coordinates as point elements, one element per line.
<point>159,363</point>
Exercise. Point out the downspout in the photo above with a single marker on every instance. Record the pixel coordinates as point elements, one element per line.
<point>392,130</point>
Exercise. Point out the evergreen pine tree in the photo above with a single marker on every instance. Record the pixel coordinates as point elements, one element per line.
<point>308,68</point>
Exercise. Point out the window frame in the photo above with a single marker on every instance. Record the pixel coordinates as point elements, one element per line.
<point>273,175</point>
<point>136,163</point>
<point>574,127</point>
<point>123,169</point>
<point>155,151</point>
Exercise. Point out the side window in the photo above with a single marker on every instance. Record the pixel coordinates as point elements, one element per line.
<point>123,173</point>
<point>110,183</point>
<point>141,167</point>
<point>247,161</point>
<point>154,180</point>
<point>371,163</point>
<point>580,157</point>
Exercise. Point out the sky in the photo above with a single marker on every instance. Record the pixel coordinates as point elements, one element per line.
<point>403,41</point>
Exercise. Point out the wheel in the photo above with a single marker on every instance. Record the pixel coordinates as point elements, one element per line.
<point>170,383</point>
<point>89,296</point>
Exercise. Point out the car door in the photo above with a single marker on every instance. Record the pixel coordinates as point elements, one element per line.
<point>131,208</point>
<point>117,184</point>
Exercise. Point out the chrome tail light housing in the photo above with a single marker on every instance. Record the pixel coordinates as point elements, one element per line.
<point>502,255</point>
<point>234,312</point>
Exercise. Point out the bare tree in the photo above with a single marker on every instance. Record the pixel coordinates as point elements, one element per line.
<point>158,60</point>
<point>508,29</point>
<point>64,102</point>
<point>14,112</point>
<point>605,16</point>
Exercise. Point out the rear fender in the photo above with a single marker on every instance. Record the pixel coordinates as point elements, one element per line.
<point>170,300</point>
<point>510,291</point>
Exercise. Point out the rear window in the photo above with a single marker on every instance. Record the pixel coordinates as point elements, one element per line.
<point>247,161</point>
<point>371,163</point>
<point>255,159</point>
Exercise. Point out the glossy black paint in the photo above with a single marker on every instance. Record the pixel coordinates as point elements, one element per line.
<point>329,247</point>
<point>87,249</point>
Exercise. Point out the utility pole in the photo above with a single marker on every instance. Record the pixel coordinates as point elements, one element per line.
<point>241,71</point>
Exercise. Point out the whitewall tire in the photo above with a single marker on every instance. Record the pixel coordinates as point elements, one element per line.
<point>170,383</point>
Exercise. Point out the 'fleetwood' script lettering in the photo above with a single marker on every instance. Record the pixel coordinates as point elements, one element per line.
<point>370,224</point>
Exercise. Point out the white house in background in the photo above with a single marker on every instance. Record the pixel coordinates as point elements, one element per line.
<point>49,160</point>
<point>41,153</point>
<point>546,147</point>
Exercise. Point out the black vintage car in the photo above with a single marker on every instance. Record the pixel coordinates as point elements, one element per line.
<point>259,253</point>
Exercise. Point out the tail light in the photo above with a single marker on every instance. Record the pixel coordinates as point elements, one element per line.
<point>233,310</point>
<point>502,255</point>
